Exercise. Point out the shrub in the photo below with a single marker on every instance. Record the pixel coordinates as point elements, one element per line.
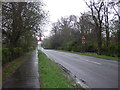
<point>118,50</point>
<point>10,54</point>
<point>113,50</point>
<point>30,49</point>
<point>77,48</point>
<point>90,48</point>
<point>17,52</point>
<point>67,46</point>
<point>6,55</point>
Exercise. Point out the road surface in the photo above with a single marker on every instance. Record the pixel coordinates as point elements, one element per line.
<point>96,72</point>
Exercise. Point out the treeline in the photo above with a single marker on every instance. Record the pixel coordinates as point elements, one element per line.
<point>21,22</point>
<point>95,31</point>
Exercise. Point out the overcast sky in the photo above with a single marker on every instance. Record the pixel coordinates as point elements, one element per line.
<point>61,8</point>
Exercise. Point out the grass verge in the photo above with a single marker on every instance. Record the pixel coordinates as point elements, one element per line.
<point>10,68</point>
<point>95,55</point>
<point>51,76</point>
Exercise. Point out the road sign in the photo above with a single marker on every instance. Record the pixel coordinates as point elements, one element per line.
<point>83,39</point>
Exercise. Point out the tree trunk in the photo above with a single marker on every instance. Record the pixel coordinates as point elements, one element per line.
<point>106,26</point>
<point>99,40</point>
<point>107,37</point>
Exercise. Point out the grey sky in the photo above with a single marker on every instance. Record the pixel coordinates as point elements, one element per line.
<point>61,8</point>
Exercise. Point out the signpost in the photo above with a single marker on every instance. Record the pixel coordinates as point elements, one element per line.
<point>83,40</point>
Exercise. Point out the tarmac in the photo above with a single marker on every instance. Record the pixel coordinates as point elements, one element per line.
<point>26,76</point>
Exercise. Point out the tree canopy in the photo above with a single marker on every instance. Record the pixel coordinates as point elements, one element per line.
<point>21,21</point>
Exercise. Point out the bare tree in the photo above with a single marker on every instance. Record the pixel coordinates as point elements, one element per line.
<point>106,23</point>
<point>97,14</point>
<point>116,7</point>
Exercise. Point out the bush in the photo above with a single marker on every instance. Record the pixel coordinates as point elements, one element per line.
<point>118,50</point>
<point>76,48</point>
<point>6,55</point>
<point>67,46</point>
<point>113,50</point>
<point>30,48</point>
<point>90,48</point>
<point>17,52</point>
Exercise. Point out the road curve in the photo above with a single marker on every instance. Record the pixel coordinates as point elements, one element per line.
<point>96,72</point>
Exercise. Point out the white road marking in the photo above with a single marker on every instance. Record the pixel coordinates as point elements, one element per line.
<point>86,60</point>
<point>81,58</point>
<point>92,62</point>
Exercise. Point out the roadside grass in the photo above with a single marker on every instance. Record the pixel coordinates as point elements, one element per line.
<point>51,76</point>
<point>94,55</point>
<point>10,67</point>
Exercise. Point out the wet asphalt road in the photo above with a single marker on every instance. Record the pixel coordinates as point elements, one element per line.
<point>26,76</point>
<point>96,72</point>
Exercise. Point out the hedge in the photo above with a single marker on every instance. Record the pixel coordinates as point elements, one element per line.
<point>10,54</point>
<point>6,55</point>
